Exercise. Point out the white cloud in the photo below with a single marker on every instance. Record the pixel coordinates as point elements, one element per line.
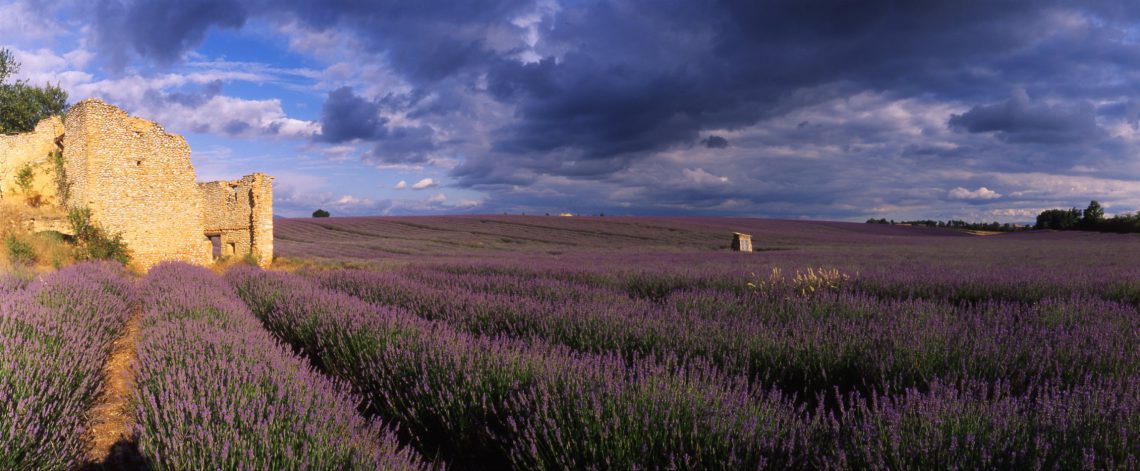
<point>424,184</point>
<point>147,96</point>
<point>700,177</point>
<point>349,200</point>
<point>469,203</point>
<point>21,24</point>
<point>437,198</point>
<point>982,193</point>
<point>401,185</point>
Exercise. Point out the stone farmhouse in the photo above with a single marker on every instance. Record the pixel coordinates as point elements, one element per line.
<point>137,181</point>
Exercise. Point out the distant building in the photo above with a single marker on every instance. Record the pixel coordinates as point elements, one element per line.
<point>741,242</point>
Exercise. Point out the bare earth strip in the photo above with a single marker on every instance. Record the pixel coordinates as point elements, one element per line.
<point>110,442</point>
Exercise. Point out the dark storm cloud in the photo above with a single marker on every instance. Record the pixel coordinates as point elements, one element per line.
<point>347,117</point>
<point>1019,120</point>
<point>160,30</point>
<point>426,40</point>
<point>646,77</point>
<point>618,82</point>
<point>403,145</point>
<point>715,142</point>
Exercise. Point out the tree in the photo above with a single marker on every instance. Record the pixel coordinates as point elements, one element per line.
<point>22,106</point>
<point>1093,215</point>
<point>320,213</point>
<point>1059,219</point>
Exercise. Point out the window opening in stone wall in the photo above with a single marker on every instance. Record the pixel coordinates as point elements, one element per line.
<point>216,246</point>
<point>138,162</point>
<point>232,249</point>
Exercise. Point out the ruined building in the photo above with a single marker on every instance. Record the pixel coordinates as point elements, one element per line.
<point>138,181</point>
<point>741,242</point>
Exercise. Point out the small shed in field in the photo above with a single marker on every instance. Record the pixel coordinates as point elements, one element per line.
<point>741,242</point>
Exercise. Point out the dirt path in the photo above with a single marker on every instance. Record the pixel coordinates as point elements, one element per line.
<point>110,444</point>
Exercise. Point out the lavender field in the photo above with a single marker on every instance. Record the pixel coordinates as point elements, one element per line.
<point>551,342</point>
<point>595,343</point>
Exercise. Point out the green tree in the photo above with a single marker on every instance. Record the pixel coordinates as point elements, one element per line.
<point>1093,215</point>
<point>320,213</point>
<point>23,105</point>
<point>1059,219</point>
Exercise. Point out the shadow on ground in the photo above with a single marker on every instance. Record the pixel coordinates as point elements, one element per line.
<point>124,456</point>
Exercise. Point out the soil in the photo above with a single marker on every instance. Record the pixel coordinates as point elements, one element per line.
<point>111,443</point>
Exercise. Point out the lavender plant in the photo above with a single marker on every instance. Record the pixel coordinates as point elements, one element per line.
<point>55,336</point>
<point>845,340</point>
<point>216,391</point>
<point>494,400</point>
<point>944,351</point>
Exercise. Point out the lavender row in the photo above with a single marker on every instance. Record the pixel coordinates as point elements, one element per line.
<point>55,336</point>
<point>805,345</point>
<point>216,391</point>
<point>499,401</point>
<point>1021,267</point>
<point>983,425</point>
<point>444,381</point>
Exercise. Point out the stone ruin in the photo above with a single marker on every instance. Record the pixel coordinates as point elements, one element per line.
<point>741,242</point>
<point>137,181</point>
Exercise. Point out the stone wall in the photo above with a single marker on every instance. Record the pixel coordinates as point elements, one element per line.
<point>34,150</point>
<point>240,213</point>
<point>137,180</point>
<point>741,242</point>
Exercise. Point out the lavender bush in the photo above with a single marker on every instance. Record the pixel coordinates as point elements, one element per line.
<point>805,345</point>
<point>980,425</point>
<point>55,336</point>
<point>946,385</point>
<point>939,350</point>
<point>216,391</point>
<point>492,400</point>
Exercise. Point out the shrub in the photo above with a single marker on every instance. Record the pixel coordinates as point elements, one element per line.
<point>320,213</point>
<point>24,178</point>
<point>20,252</point>
<point>250,259</point>
<point>92,242</point>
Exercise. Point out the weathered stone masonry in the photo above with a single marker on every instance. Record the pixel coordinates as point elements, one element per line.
<point>240,214</point>
<point>138,181</point>
<point>33,149</point>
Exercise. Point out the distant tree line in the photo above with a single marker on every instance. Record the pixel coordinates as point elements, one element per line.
<point>1090,219</point>
<point>955,224</point>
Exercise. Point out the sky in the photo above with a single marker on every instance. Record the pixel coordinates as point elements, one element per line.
<point>832,109</point>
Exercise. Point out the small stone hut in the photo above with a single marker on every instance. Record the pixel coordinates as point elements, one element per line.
<point>138,181</point>
<point>741,242</point>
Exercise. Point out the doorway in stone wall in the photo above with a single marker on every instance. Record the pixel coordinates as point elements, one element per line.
<point>215,245</point>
